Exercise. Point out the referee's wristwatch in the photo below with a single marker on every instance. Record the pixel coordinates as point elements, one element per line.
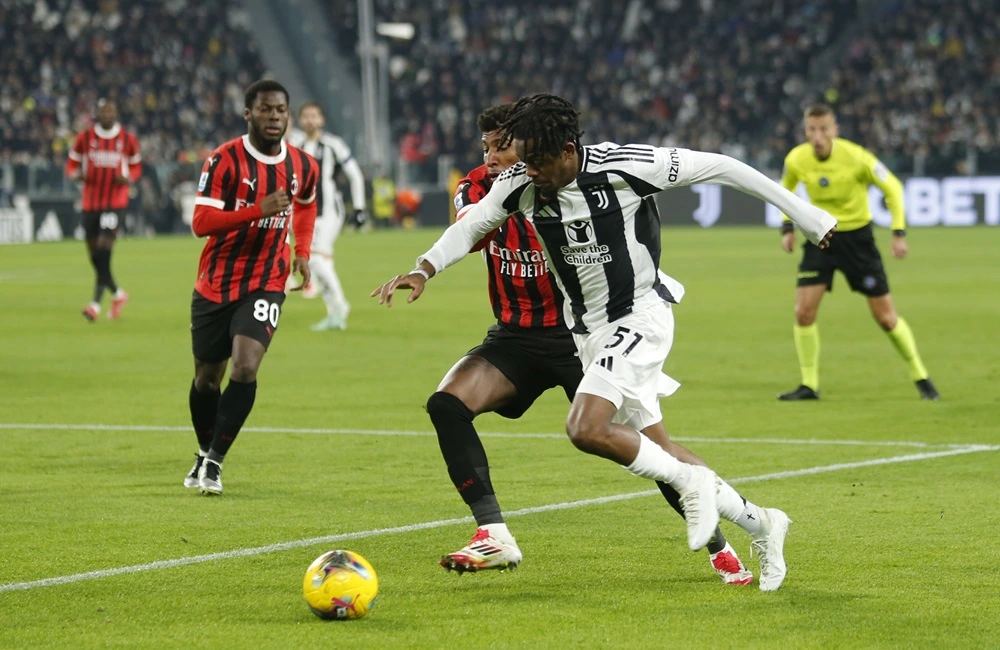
<point>787,227</point>
<point>899,233</point>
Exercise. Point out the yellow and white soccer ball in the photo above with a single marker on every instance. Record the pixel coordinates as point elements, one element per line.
<point>340,585</point>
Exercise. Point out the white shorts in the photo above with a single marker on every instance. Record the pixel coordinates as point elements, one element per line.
<point>623,363</point>
<point>328,227</point>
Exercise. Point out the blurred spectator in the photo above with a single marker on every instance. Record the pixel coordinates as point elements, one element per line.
<point>178,69</point>
<point>708,74</point>
<point>921,85</point>
<point>924,83</point>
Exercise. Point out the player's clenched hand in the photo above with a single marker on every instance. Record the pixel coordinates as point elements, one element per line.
<point>275,203</point>
<point>788,242</point>
<point>121,179</point>
<point>414,281</point>
<point>300,265</point>
<point>899,247</point>
<point>825,242</point>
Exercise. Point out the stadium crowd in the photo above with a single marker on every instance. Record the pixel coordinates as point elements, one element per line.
<point>719,75</point>
<point>924,80</point>
<point>178,69</point>
<point>920,81</point>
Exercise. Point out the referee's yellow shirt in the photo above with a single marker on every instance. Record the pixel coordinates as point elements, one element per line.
<point>840,183</point>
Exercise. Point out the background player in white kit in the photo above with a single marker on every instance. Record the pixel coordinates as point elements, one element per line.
<point>583,203</point>
<point>333,156</point>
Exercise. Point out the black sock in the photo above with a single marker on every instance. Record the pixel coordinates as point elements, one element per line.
<point>204,408</point>
<point>102,262</point>
<point>99,283</point>
<point>234,407</point>
<point>464,454</point>
<point>718,541</point>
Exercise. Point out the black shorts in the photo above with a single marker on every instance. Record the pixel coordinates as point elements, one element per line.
<point>854,253</point>
<point>100,222</point>
<point>534,360</point>
<point>214,324</point>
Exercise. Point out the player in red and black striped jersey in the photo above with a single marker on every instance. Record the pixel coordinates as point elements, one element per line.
<point>105,158</point>
<point>528,351</point>
<point>252,190</point>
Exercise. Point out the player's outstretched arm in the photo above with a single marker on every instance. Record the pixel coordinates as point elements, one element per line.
<point>687,167</point>
<point>481,219</point>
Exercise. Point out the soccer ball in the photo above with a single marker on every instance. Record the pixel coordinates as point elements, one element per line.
<point>340,585</point>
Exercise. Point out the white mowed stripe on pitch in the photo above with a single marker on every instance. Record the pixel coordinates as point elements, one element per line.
<point>376,532</point>
<point>403,432</point>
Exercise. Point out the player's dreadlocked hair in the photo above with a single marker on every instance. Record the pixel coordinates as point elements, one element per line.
<point>548,121</point>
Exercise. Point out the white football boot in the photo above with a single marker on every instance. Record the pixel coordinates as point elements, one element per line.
<point>485,551</point>
<point>210,477</point>
<point>769,544</point>
<point>191,480</point>
<point>699,505</point>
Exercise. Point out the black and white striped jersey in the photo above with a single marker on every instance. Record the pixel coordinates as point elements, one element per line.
<point>333,156</point>
<point>602,239</point>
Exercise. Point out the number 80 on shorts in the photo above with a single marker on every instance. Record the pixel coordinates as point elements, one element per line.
<point>267,312</point>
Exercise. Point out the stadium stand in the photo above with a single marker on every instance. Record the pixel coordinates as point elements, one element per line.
<point>924,81</point>
<point>720,75</point>
<point>178,69</point>
<point>915,83</point>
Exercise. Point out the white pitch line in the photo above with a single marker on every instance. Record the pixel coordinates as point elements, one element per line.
<point>377,532</point>
<point>405,433</point>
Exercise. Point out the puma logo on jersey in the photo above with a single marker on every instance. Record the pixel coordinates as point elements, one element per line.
<point>251,183</point>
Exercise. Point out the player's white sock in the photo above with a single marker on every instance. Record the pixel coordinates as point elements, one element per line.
<point>96,306</point>
<point>333,293</point>
<point>499,531</point>
<point>653,462</point>
<point>120,293</point>
<point>733,507</point>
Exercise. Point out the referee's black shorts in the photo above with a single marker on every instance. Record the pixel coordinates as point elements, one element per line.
<point>534,360</point>
<point>853,253</point>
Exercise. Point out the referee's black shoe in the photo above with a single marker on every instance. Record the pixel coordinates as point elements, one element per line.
<point>800,393</point>
<point>927,390</point>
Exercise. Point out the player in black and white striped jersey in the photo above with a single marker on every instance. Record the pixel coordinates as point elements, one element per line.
<point>583,203</point>
<point>333,156</point>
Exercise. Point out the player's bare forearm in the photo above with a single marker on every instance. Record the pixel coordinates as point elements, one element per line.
<point>900,249</point>
<point>427,268</point>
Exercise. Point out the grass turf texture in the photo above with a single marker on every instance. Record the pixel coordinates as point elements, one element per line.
<point>894,555</point>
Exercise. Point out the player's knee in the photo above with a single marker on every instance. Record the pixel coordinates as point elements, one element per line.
<point>445,406</point>
<point>244,371</point>
<point>887,321</point>
<point>207,381</point>
<point>805,315</point>
<point>586,434</point>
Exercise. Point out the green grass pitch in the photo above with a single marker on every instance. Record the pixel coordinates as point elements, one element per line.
<point>901,554</point>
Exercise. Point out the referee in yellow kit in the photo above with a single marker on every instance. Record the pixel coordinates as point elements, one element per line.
<point>837,173</point>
